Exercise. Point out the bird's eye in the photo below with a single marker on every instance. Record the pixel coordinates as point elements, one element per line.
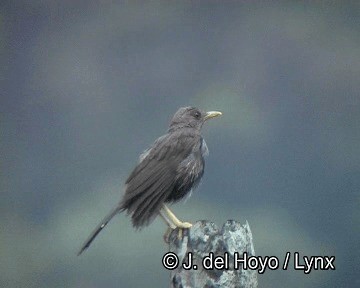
<point>197,115</point>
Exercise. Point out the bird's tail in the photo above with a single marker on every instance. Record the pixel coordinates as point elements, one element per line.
<point>98,228</point>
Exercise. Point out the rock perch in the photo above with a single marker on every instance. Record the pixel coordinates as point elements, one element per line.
<point>202,239</point>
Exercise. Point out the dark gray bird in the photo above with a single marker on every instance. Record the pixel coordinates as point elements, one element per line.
<point>166,172</point>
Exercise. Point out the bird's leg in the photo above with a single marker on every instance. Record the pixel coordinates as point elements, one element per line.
<point>166,219</point>
<point>171,226</point>
<point>173,222</point>
<point>173,218</point>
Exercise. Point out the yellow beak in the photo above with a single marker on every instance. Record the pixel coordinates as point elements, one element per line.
<point>212,114</point>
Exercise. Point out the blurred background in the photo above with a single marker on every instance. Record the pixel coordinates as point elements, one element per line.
<point>85,88</point>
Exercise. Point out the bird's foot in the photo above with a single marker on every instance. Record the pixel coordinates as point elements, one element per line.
<point>180,226</point>
<point>183,225</point>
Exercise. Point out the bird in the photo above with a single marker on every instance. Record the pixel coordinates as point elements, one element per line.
<point>167,172</point>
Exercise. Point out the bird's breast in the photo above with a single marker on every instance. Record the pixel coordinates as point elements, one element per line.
<point>189,173</point>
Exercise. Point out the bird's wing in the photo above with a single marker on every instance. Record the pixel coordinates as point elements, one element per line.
<point>153,179</point>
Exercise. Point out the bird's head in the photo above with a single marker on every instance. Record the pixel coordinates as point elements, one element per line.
<point>191,117</point>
